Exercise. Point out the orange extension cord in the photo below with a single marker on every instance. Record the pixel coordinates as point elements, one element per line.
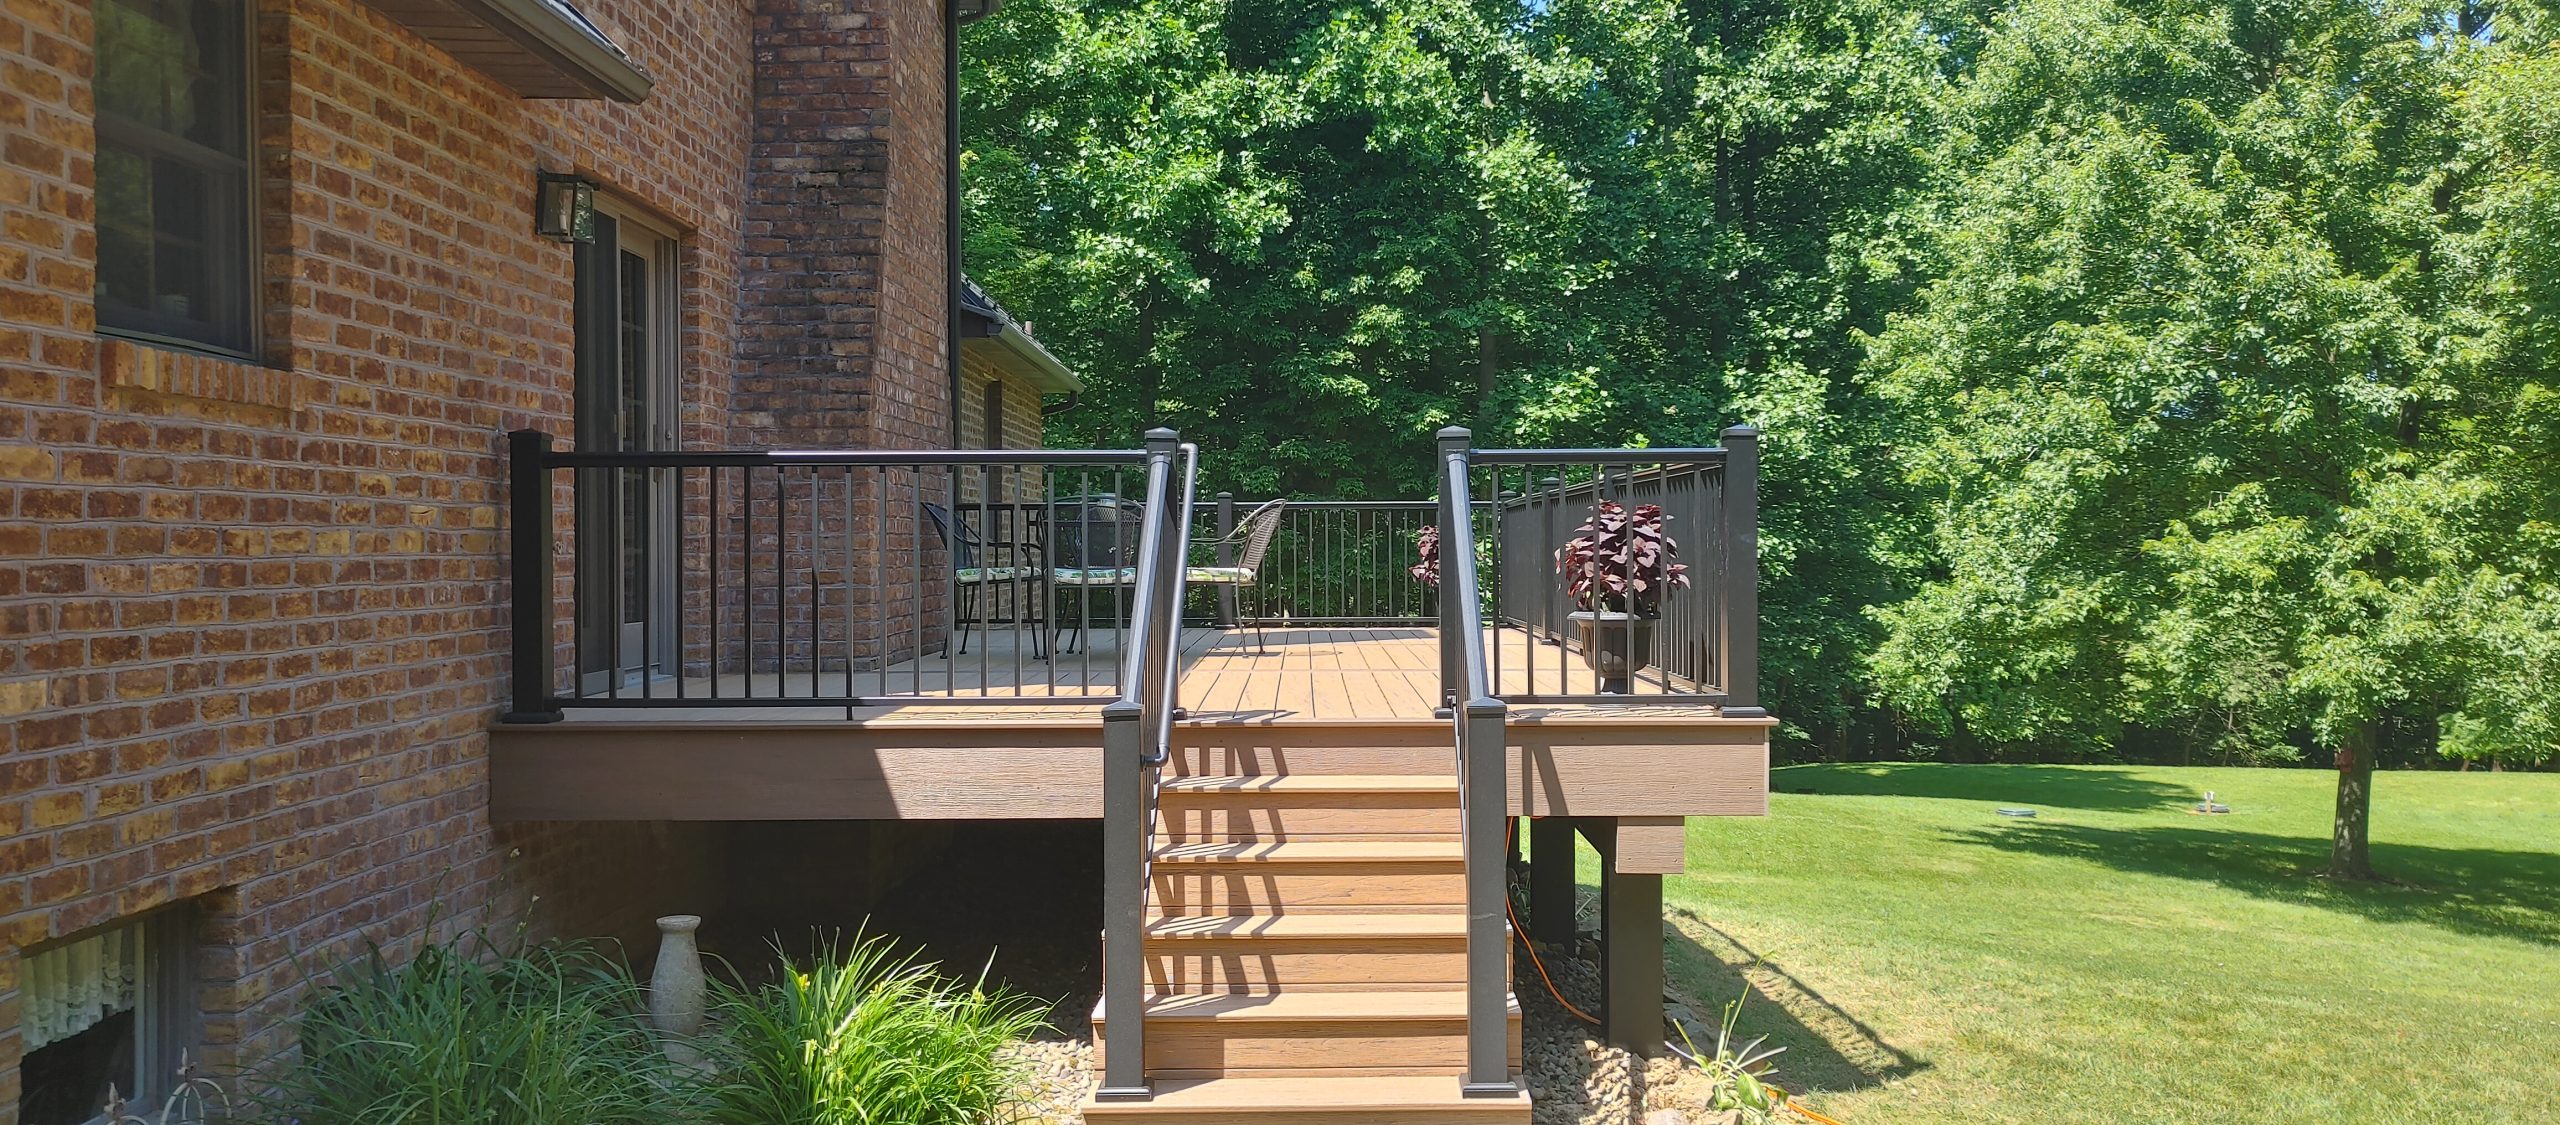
<point>1522,933</point>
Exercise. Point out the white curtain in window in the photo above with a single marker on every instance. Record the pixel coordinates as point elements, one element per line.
<point>67,989</point>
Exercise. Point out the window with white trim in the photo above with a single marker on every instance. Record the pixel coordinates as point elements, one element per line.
<point>102,1016</point>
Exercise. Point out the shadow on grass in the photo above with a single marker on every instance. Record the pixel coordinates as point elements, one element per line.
<point>1828,1049</point>
<point>2058,787</point>
<point>2481,891</point>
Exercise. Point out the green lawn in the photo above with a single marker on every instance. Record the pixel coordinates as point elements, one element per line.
<point>2119,959</point>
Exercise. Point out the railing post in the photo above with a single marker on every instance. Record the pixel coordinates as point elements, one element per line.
<point>1166,446</point>
<point>531,534</point>
<point>1226,557</point>
<point>1487,809</point>
<point>1454,443</point>
<point>1742,572</point>
<point>1124,845</point>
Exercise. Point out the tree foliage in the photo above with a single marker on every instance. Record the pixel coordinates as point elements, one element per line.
<point>2140,376</point>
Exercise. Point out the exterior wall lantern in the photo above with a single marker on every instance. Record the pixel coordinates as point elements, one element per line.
<point>966,12</point>
<point>564,207</point>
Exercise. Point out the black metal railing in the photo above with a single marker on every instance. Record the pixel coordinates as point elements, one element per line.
<point>1698,643</point>
<point>1480,740</point>
<point>1331,563</point>
<point>820,578</point>
<point>1137,740</point>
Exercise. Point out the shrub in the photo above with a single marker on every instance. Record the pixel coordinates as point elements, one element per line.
<point>865,1035</point>
<point>554,1034</point>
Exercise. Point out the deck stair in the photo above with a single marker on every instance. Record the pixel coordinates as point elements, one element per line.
<point>1306,944</point>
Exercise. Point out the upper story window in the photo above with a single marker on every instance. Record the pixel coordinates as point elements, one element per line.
<point>176,244</point>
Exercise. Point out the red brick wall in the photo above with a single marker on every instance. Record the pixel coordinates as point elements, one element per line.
<point>253,618</point>
<point>844,312</point>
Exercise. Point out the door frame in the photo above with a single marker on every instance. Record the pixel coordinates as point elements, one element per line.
<point>637,653</point>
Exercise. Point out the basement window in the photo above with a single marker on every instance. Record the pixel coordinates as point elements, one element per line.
<point>102,1015</point>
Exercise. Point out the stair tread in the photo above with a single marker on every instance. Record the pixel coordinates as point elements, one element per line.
<point>1275,1097</point>
<point>1297,1007</point>
<point>1311,851</point>
<point>1448,924</point>
<point>1312,783</point>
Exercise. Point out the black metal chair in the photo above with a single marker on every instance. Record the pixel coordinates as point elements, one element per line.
<point>1255,533</point>
<point>1094,544</point>
<point>972,577</point>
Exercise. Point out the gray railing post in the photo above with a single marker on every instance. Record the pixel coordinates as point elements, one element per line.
<point>531,535</point>
<point>1742,572</point>
<point>1454,441</point>
<point>1226,557</point>
<point>1124,845</point>
<point>1487,808</point>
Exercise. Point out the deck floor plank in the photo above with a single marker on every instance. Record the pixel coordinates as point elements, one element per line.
<point>1296,674</point>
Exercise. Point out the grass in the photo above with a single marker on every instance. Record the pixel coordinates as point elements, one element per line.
<point>2119,959</point>
<point>865,1035</point>
<point>461,1034</point>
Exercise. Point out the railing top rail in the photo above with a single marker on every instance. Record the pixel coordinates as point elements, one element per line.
<point>1475,689</point>
<point>1637,456</point>
<point>1163,491</point>
<point>885,458</point>
<point>1296,504</point>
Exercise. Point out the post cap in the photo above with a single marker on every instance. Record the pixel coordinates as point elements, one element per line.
<point>1745,431</point>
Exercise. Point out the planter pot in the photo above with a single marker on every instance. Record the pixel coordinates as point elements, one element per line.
<point>677,990</point>
<point>1608,648</point>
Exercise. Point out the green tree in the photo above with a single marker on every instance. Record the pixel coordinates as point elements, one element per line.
<point>1311,234</point>
<point>2216,394</point>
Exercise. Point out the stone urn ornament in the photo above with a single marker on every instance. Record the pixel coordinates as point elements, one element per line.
<point>1618,567</point>
<point>678,990</point>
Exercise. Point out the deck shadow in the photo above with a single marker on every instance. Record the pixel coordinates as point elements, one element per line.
<point>2060,787</point>
<point>2477,891</point>
<point>1828,1048</point>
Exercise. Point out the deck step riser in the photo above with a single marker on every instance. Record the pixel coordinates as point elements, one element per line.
<point>1199,820</point>
<point>1226,889</point>
<point>1504,1114</point>
<point>1260,967</point>
<point>1274,1047</point>
<point>1212,761</point>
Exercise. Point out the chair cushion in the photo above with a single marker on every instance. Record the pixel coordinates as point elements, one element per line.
<point>973,575</point>
<point>1219,575</point>
<point>1094,576</point>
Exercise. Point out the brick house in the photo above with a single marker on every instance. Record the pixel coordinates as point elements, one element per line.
<point>272,292</point>
<point>470,462</point>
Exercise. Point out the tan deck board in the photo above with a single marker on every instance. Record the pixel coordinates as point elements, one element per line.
<point>1332,674</point>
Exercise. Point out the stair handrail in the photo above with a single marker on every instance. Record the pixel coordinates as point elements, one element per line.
<point>1478,721</point>
<point>1136,742</point>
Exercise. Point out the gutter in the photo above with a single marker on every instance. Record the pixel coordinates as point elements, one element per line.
<point>562,36</point>
<point>1049,373</point>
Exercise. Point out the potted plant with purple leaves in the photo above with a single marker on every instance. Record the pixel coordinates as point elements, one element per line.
<point>1618,567</point>
<point>1426,549</point>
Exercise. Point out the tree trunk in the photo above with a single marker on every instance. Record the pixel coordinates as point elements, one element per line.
<point>2350,857</point>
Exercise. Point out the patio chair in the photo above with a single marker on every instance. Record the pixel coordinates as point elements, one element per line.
<point>1254,532</point>
<point>1094,543</point>
<point>971,577</point>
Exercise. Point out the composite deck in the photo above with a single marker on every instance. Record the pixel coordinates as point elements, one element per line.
<point>981,740</point>
<point>1285,674</point>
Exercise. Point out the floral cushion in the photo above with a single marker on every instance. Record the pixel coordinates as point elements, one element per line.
<point>1095,576</point>
<point>1219,575</point>
<point>973,575</point>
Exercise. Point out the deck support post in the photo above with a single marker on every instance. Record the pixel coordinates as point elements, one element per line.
<point>1551,880</point>
<point>1630,956</point>
<point>1124,845</point>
